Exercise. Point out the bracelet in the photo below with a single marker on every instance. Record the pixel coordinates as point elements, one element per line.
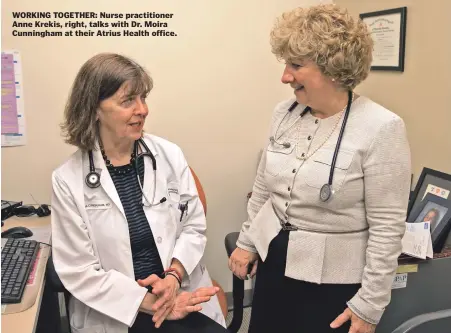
<point>176,277</point>
<point>173,270</point>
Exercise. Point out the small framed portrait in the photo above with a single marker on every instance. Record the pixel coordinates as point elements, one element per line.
<point>436,211</point>
<point>431,199</point>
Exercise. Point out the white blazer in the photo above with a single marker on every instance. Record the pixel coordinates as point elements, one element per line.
<point>91,242</point>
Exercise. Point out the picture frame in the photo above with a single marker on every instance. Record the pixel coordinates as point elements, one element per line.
<point>437,211</point>
<point>432,186</point>
<point>430,180</point>
<point>388,29</point>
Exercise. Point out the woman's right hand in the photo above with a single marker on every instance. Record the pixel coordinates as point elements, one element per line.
<point>187,302</point>
<point>239,262</point>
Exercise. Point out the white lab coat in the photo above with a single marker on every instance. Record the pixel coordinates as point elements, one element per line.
<point>91,243</point>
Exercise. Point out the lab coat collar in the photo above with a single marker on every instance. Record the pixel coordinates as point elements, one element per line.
<point>150,143</point>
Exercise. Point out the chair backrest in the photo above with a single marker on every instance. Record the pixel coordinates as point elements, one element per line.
<point>221,294</point>
<point>200,190</point>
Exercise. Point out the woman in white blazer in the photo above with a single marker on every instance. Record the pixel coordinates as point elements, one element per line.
<point>325,243</point>
<point>128,228</point>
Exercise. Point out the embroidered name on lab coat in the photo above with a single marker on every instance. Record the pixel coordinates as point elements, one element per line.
<point>173,190</point>
<point>100,205</point>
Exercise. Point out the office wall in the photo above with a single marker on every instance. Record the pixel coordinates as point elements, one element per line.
<point>420,95</point>
<point>216,84</point>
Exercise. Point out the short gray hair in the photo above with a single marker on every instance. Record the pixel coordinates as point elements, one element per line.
<point>99,78</point>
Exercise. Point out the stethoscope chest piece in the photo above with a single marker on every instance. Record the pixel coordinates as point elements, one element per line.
<point>93,179</point>
<point>325,193</point>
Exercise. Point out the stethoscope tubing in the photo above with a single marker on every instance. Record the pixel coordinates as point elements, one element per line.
<point>93,177</point>
<point>339,140</point>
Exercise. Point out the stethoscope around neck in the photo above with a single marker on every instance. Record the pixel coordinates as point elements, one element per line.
<point>93,177</point>
<point>326,190</point>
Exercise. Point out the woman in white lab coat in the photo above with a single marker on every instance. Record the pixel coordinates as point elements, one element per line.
<point>128,228</point>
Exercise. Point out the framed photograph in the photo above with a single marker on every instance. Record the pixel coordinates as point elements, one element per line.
<point>430,181</point>
<point>431,199</point>
<point>388,29</point>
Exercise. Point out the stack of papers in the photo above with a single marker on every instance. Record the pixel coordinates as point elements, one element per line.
<point>417,240</point>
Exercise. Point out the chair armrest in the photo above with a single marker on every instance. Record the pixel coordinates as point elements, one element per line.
<point>238,286</point>
<point>416,321</point>
<point>230,242</point>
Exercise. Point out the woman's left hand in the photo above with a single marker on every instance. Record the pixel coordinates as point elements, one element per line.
<point>358,325</point>
<point>165,289</point>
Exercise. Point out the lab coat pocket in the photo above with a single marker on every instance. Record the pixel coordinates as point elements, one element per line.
<point>175,212</point>
<point>277,158</point>
<point>320,164</point>
<point>174,208</point>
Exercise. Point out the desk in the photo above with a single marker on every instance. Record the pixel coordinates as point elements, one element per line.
<point>26,321</point>
<point>427,290</point>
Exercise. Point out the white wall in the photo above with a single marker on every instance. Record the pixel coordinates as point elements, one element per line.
<point>421,94</point>
<point>215,87</point>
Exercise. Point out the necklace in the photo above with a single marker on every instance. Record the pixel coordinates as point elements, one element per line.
<point>123,169</point>
<point>328,136</point>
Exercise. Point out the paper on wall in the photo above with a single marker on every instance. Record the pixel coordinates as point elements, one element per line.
<point>13,114</point>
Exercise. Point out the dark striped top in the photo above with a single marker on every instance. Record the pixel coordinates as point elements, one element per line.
<point>146,260</point>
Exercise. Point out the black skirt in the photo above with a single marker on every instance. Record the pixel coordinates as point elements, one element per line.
<point>285,305</point>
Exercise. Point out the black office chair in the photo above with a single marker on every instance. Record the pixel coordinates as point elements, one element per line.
<point>238,287</point>
<point>57,286</point>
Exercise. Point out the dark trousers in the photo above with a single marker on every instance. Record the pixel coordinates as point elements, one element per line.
<point>285,305</point>
<point>194,323</point>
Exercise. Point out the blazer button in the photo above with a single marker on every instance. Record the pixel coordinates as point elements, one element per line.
<point>286,204</point>
<point>159,239</point>
<point>309,138</point>
<point>289,188</point>
<point>316,121</point>
<point>294,170</point>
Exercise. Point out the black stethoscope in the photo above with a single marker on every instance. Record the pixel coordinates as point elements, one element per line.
<point>326,190</point>
<point>93,177</point>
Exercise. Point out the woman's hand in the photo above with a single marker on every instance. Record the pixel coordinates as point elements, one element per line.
<point>358,325</point>
<point>166,291</point>
<point>187,302</point>
<point>240,260</point>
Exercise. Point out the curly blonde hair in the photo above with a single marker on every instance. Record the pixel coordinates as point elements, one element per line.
<point>326,34</point>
